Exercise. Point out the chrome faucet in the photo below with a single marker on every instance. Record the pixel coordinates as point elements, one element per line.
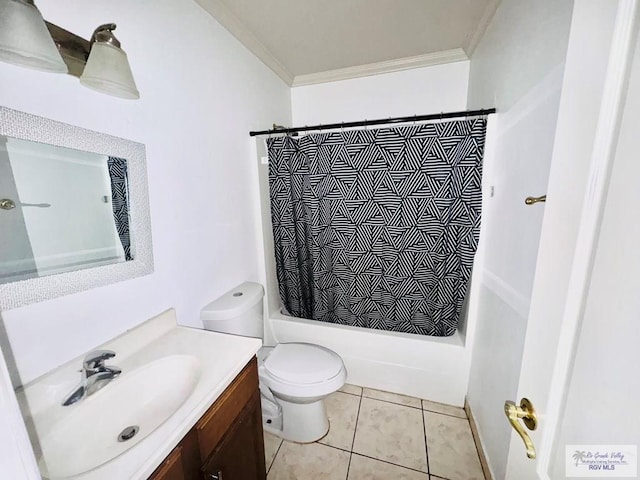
<point>95,375</point>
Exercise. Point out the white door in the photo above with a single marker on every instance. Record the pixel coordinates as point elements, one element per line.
<point>566,258</point>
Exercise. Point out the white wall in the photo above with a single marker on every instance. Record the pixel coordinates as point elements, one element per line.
<point>439,88</point>
<point>518,68</point>
<point>605,379</point>
<point>434,368</point>
<point>201,93</point>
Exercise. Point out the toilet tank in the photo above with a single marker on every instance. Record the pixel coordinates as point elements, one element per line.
<point>239,311</point>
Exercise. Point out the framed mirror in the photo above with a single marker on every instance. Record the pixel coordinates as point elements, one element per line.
<point>74,209</point>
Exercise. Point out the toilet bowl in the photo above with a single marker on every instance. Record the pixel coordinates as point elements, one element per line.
<point>295,378</point>
<point>301,376</point>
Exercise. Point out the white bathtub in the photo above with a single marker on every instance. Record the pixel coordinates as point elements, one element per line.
<point>435,368</point>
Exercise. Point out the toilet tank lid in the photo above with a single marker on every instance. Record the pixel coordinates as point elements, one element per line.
<point>235,302</point>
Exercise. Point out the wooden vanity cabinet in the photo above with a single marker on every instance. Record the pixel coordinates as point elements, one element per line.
<point>172,468</point>
<point>227,442</point>
<point>240,455</point>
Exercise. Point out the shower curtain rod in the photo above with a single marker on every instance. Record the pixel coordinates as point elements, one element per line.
<point>381,121</point>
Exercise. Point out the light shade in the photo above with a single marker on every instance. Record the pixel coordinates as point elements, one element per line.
<point>25,39</point>
<point>108,71</point>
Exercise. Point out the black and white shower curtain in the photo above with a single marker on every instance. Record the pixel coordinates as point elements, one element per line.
<point>117,168</point>
<point>378,228</point>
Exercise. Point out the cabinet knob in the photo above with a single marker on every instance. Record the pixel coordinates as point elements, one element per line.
<point>215,476</point>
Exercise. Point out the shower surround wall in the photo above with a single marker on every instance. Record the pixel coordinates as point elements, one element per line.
<point>430,367</point>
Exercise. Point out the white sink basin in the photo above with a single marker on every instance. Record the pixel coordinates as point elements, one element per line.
<point>145,397</point>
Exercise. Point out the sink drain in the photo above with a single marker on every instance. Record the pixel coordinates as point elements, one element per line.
<point>128,433</point>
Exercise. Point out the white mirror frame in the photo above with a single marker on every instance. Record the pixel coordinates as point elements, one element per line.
<point>38,129</point>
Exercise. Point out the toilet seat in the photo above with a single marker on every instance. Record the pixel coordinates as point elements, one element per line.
<point>302,363</point>
<point>303,370</point>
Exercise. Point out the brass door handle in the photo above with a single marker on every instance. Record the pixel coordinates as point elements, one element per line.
<point>527,413</point>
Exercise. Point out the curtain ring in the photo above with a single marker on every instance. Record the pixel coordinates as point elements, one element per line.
<point>441,114</point>
<point>415,120</point>
<point>365,124</point>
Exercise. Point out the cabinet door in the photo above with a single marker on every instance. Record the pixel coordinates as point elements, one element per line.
<point>240,455</point>
<point>183,463</point>
<point>171,468</point>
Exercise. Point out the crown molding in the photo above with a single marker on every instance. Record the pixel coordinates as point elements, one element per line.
<point>219,11</point>
<point>235,26</point>
<point>472,41</point>
<point>436,58</point>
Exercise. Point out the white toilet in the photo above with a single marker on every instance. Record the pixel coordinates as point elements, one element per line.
<point>295,378</point>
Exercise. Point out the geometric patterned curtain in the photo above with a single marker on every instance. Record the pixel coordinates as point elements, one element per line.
<point>378,228</point>
<point>119,193</point>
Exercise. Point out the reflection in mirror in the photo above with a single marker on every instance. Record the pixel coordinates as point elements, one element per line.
<point>60,210</point>
<point>70,220</point>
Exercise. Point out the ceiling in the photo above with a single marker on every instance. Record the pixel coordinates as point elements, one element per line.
<point>311,41</point>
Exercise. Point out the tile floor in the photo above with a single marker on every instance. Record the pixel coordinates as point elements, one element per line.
<point>380,435</point>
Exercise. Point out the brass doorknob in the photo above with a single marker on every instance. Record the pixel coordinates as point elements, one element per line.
<point>527,413</point>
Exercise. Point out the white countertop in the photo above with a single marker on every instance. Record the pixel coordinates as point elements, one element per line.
<point>221,358</point>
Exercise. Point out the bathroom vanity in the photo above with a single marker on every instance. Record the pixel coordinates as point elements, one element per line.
<point>186,406</point>
<point>227,442</point>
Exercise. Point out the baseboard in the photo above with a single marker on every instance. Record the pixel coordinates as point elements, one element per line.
<point>476,438</point>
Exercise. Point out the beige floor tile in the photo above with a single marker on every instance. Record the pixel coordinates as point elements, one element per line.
<point>452,452</point>
<point>391,397</point>
<point>352,389</point>
<point>342,410</point>
<point>363,468</point>
<point>271,446</point>
<point>309,461</point>
<point>443,408</point>
<point>391,432</point>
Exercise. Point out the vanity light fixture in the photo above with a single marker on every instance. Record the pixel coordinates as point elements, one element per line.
<point>24,38</point>
<point>29,41</point>
<point>107,69</point>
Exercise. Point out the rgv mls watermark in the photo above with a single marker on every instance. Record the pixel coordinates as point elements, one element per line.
<point>600,461</point>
